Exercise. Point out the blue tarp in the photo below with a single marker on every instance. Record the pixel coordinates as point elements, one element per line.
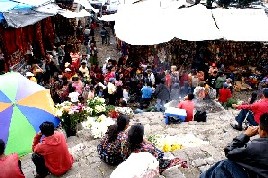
<point>6,5</point>
<point>1,17</point>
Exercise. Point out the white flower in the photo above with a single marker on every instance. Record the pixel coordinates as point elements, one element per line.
<point>101,100</point>
<point>89,110</point>
<point>124,110</point>
<point>58,112</point>
<point>100,108</point>
<point>100,125</point>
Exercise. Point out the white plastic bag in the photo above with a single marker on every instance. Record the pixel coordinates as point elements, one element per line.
<point>138,165</point>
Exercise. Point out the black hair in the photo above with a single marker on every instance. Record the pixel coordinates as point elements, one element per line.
<point>265,92</point>
<point>113,130</point>
<point>264,122</point>
<point>190,96</point>
<point>254,96</point>
<point>123,103</point>
<point>122,122</point>
<point>135,136</point>
<point>47,128</point>
<point>2,146</point>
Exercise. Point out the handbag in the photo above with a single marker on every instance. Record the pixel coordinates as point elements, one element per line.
<point>200,116</point>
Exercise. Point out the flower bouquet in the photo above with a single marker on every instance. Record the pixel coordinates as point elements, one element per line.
<point>98,125</point>
<point>97,105</point>
<point>125,111</point>
<point>71,115</point>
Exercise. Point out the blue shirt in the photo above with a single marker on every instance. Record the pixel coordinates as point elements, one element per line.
<point>146,92</point>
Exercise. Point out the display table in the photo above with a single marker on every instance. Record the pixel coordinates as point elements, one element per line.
<point>174,115</point>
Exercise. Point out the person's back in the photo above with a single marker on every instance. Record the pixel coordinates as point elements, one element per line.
<point>162,92</point>
<point>245,158</point>
<point>188,105</point>
<point>55,151</point>
<point>9,167</point>
<point>147,92</point>
<point>224,95</point>
<point>219,81</point>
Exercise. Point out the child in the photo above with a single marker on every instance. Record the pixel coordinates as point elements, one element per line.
<point>73,95</point>
<point>125,94</point>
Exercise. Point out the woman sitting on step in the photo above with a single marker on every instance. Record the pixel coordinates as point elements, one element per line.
<point>135,143</point>
<point>109,148</point>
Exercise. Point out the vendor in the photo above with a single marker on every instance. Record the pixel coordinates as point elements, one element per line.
<point>188,105</point>
<point>84,69</point>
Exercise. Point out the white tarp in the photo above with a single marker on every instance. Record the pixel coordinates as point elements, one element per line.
<point>140,25</point>
<point>195,24</point>
<point>107,18</point>
<point>70,14</point>
<point>86,5</point>
<point>35,3</point>
<point>49,8</point>
<point>98,2</point>
<point>242,24</point>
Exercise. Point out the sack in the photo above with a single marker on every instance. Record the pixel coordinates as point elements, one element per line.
<point>200,116</point>
<point>138,165</point>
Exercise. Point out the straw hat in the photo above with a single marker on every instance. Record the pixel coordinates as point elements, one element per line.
<point>29,74</point>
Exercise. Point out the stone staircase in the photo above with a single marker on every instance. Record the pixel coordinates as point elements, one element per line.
<point>216,130</point>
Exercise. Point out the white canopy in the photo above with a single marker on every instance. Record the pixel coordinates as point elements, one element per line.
<point>107,18</point>
<point>86,5</point>
<point>49,8</point>
<point>195,24</point>
<point>35,2</point>
<point>70,14</point>
<point>138,25</point>
<point>141,24</point>
<point>242,24</point>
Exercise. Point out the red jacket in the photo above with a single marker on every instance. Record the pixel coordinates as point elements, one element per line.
<point>55,151</point>
<point>189,107</point>
<point>224,95</point>
<point>9,167</point>
<point>258,108</point>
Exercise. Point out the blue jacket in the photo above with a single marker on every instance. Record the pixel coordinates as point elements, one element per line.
<point>146,92</point>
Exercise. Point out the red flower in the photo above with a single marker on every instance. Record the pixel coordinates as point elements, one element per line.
<point>113,114</point>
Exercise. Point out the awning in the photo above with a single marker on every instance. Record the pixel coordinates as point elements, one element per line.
<point>194,24</point>
<point>242,24</point>
<point>86,5</point>
<point>138,25</point>
<point>70,14</point>
<point>17,19</point>
<point>107,18</point>
<point>49,8</point>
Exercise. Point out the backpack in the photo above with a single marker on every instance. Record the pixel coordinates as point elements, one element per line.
<point>200,116</point>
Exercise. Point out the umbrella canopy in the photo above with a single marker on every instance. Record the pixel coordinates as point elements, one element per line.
<point>24,105</point>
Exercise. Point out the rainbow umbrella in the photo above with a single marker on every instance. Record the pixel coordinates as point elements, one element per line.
<point>24,105</point>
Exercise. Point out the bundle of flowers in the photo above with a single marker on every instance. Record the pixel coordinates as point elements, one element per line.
<point>125,111</point>
<point>98,125</point>
<point>172,143</point>
<point>65,106</point>
<point>71,115</point>
<point>97,105</point>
